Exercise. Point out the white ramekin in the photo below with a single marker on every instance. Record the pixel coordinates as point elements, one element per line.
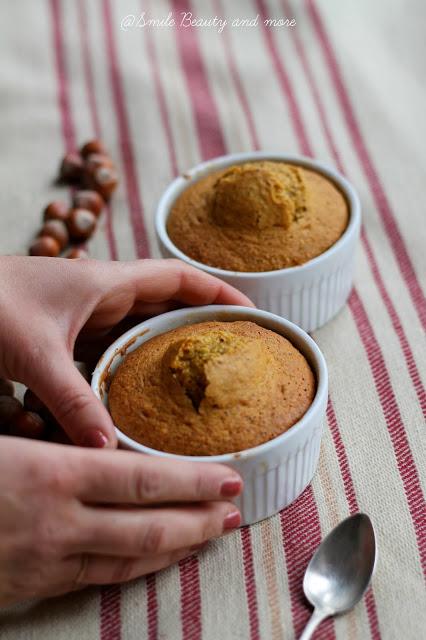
<point>308,295</point>
<point>274,473</point>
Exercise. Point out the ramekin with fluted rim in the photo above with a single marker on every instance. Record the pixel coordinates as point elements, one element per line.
<point>275,473</point>
<point>310,294</point>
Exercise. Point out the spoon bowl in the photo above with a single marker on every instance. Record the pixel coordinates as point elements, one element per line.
<point>340,570</point>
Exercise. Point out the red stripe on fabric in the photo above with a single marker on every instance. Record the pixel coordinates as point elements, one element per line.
<point>301,534</point>
<point>67,124</point>
<point>151,607</point>
<point>404,458</point>
<point>396,323</point>
<point>190,599</point>
<point>130,176</point>
<point>152,57</point>
<point>90,92</point>
<point>250,583</point>
<point>389,221</point>
<point>204,107</point>
<point>284,81</point>
<point>110,623</point>
<point>408,354</point>
<point>237,80</point>
<point>342,459</point>
<point>314,90</point>
<point>348,483</point>
<point>87,67</point>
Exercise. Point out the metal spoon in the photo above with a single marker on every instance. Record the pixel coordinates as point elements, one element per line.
<point>340,570</point>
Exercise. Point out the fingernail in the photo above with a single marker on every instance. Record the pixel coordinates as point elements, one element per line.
<point>95,439</point>
<point>232,520</point>
<point>231,488</point>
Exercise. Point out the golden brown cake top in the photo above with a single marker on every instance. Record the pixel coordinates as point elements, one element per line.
<point>258,216</point>
<point>211,388</point>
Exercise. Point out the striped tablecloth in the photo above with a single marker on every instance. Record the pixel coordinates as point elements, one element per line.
<point>344,85</point>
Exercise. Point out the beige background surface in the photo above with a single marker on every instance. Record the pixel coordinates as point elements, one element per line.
<point>346,85</point>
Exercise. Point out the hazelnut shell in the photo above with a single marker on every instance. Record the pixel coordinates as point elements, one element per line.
<point>56,229</point>
<point>71,168</point>
<point>7,388</point>
<point>33,402</point>
<point>81,224</point>
<point>90,200</point>
<point>28,424</point>
<point>93,146</point>
<point>76,253</point>
<point>95,160</point>
<point>56,210</point>
<point>9,409</point>
<point>45,246</point>
<point>104,180</point>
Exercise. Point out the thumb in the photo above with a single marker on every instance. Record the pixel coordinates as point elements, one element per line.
<point>67,395</point>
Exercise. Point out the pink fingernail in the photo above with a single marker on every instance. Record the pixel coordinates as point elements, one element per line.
<point>231,488</point>
<point>232,520</point>
<point>95,439</point>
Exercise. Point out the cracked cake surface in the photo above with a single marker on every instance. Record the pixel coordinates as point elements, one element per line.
<point>258,216</point>
<point>211,388</point>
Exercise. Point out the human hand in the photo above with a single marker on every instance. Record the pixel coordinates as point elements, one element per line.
<point>50,306</point>
<point>63,526</point>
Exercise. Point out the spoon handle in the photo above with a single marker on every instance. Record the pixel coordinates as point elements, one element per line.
<point>316,618</point>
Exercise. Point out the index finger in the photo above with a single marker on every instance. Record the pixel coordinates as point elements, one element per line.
<point>163,280</point>
<point>124,477</point>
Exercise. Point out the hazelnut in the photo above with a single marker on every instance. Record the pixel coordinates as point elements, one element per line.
<point>90,200</point>
<point>7,388</point>
<point>45,246</point>
<point>81,224</point>
<point>96,160</point>
<point>33,402</point>
<point>104,180</point>
<point>58,435</point>
<point>56,229</point>
<point>27,424</point>
<point>56,210</point>
<point>9,409</point>
<point>71,167</point>
<point>93,146</point>
<point>75,253</point>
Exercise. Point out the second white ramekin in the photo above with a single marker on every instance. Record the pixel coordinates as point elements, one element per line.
<point>308,295</point>
<point>275,473</point>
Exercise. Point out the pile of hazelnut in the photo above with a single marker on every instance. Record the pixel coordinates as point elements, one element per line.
<point>28,420</point>
<point>91,171</point>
